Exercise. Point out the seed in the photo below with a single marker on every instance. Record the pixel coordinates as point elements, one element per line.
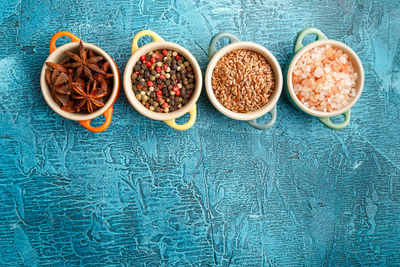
<point>242,81</point>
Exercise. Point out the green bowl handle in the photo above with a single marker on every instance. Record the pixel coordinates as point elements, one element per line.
<point>265,125</point>
<point>336,126</point>
<point>213,50</point>
<point>299,40</point>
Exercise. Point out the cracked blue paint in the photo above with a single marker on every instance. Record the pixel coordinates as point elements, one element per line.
<point>221,193</point>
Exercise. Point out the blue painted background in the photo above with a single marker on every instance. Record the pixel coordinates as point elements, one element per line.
<point>221,193</point>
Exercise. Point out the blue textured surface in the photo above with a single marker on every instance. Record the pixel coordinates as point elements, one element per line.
<point>221,193</point>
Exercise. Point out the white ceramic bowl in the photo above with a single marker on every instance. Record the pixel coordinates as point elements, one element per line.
<point>249,117</point>
<point>130,94</point>
<point>353,58</point>
<point>57,56</point>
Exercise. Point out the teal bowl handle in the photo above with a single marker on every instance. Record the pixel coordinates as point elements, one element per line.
<point>299,40</point>
<point>265,125</point>
<point>213,50</point>
<point>336,126</point>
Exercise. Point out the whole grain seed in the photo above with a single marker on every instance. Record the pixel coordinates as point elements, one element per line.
<point>242,81</point>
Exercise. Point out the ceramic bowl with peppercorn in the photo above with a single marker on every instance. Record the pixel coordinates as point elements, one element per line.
<point>243,81</point>
<point>162,81</point>
<point>80,81</point>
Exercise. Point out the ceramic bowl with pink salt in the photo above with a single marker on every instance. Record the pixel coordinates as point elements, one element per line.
<point>325,78</point>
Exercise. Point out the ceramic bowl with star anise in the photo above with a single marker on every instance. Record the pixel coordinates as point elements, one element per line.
<point>80,81</point>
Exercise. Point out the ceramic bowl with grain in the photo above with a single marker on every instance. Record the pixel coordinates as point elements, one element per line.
<point>270,106</point>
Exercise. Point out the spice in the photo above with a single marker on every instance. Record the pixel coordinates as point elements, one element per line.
<point>243,81</point>
<point>166,88</point>
<point>324,79</point>
<point>81,83</point>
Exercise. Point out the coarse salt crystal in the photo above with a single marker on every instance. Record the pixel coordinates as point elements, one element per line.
<point>318,72</point>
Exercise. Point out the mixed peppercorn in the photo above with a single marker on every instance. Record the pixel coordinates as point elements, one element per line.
<point>163,80</point>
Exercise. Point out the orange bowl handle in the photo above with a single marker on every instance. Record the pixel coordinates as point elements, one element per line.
<point>53,40</point>
<point>107,114</point>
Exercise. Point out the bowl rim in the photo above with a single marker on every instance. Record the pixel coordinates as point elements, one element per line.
<point>357,65</point>
<point>55,57</point>
<point>127,81</point>
<point>275,68</point>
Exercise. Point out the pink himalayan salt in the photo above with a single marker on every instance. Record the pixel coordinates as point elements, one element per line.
<point>324,79</point>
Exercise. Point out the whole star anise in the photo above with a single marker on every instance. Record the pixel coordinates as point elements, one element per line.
<point>58,81</point>
<point>102,77</point>
<point>92,97</point>
<point>82,63</point>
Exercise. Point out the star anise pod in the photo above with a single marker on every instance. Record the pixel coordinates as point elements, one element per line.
<point>82,63</point>
<point>56,66</point>
<point>69,107</point>
<point>92,97</point>
<point>58,81</point>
